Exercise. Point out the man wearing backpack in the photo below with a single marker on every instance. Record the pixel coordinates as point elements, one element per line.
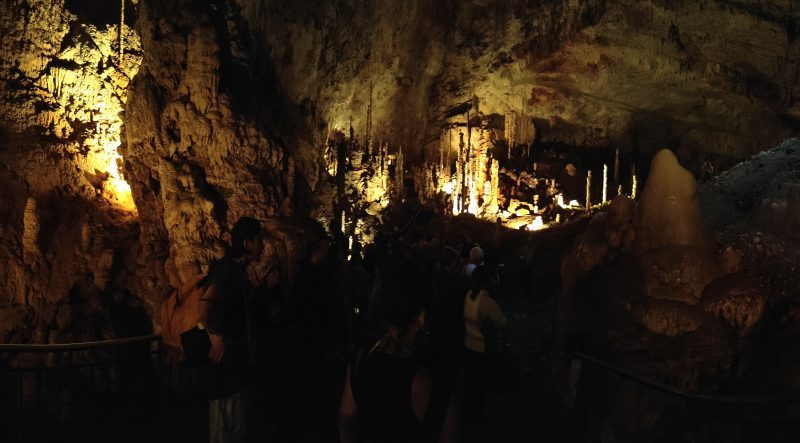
<point>224,314</point>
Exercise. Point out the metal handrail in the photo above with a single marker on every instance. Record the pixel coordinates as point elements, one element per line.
<point>42,348</point>
<point>730,400</point>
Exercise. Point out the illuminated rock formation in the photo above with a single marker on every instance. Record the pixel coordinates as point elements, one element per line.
<point>69,219</point>
<point>232,101</point>
<point>196,164</point>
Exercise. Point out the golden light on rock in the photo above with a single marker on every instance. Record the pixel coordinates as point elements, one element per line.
<point>85,94</point>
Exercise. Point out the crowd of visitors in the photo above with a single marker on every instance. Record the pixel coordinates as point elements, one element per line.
<point>397,342</point>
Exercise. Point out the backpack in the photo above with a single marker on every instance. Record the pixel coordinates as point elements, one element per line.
<point>180,312</point>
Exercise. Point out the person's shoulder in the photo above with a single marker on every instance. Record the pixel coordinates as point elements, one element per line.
<point>487,299</point>
<point>223,270</point>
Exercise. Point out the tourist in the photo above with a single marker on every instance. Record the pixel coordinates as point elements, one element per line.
<point>224,315</point>
<point>387,390</point>
<point>482,318</point>
<point>475,260</point>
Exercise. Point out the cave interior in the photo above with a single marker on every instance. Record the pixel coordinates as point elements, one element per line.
<point>628,170</point>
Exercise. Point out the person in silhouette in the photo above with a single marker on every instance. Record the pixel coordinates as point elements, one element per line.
<point>224,315</point>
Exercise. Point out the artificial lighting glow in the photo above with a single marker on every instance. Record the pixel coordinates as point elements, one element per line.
<point>92,93</point>
<point>537,224</point>
<point>449,187</point>
<point>115,188</point>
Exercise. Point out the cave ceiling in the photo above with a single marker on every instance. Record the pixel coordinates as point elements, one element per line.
<point>700,77</point>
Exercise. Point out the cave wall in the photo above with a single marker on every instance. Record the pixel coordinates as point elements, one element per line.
<point>67,220</point>
<point>200,150</point>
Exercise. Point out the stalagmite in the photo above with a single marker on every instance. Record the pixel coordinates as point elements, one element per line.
<point>588,189</point>
<point>633,182</point>
<point>605,183</point>
<point>462,162</point>
<point>493,203</point>
<point>349,247</point>
<point>399,173</point>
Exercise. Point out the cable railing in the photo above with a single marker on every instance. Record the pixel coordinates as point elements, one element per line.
<point>56,347</point>
<point>112,390</point>
<point>709,417</point>
<point>722,399</point>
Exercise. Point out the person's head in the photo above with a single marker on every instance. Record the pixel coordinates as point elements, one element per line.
<point>447,259</point>
<point>273,277</point>
<point>404,302</point>
<point>480,279</point>
<point>247,239</point>
<point>319,250</point>
<point>476,255</point>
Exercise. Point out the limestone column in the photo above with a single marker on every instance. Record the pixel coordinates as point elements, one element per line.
<point>588,189</point>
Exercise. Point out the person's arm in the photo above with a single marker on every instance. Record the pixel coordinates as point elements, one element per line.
<point>348,411</point>
<point>208,317</point>
<point>421,394</point>
<point>494,312</point>
<point>450,425</point>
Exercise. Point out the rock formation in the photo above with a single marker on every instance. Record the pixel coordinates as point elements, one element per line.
<point>66,214</point>
<point>704,296</point>
<point>197,159</point>
<point>228,103</point>
<point>670,276</point>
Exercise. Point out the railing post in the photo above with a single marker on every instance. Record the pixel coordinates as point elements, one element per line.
<point>38,406</point>
<point>575,367</point>
<point>20,403</point>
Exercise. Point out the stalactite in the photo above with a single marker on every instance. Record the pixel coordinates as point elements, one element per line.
<point>441,151</point>
<point>121,31</point>
<point>511,131</point>
<point>368,136</point>
<point>341,158</point>
<point>383,160</point>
